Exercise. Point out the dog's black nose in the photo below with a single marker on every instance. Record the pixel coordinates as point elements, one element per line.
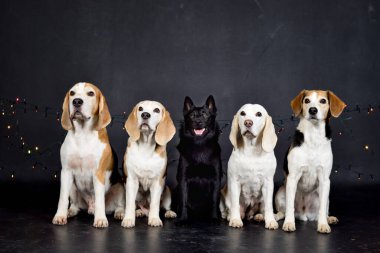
<point>313,110</point>
<point>77,102</point>
<point>145,115</point>
<point>248,123</point>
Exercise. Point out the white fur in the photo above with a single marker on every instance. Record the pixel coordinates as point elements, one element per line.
<point>145,169</point>
<point>81,152</point>
<point>306,195</point>
<point>250,173</point>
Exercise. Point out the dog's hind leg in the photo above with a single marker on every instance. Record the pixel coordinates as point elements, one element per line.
<point>280,203</point>
<point>166,202</point>
<point>76,202</point>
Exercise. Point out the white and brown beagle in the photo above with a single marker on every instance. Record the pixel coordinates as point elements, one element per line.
<point>309,161</point>
<point>251,168</point>
<point>87,159</point>
<point>150,128</point>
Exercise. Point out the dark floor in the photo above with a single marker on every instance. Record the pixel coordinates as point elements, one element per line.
<point>29,229</point>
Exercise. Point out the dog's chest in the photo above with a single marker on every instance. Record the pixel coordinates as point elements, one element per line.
<point>145,164</point>
<point>82,155</point>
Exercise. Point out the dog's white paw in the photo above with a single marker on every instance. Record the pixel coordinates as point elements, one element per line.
<point>128,223</point>
<point>101,222</point>
<point>72,212</point>
<point>155,222</point>
<point>236,223</point>
<point>289,226</point>
<point>119,214</point>
<point>258,217</point>
<point>324,228</point>
<point>170,214</point>
<point>271,225</point>
<point>332,220</point>
<point>60,220</point>
<point>91,211</point>
<point>139,213</point>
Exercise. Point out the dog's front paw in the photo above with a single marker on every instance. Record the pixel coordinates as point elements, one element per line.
<point>289,226</point>
<point>128,223</point>
<point>100,222</point>
<point>236,223</point>
<point>259,217</point>
<point>72,212</point>
<point>324,228</point>
<point>139,213</point>
<point>119,214</point>
<point>170,214</point>
<point>155,222</point>
<point>271,225</point>
<point>60,220</point>
<point>332,220</point>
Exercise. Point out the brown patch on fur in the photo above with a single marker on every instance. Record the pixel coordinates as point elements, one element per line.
<point>336,104</point>
<point>131,125</point>
<point>235,135</point>
<point>296,103</point>
<point>103,136</point>
<point>160,150</point>
<point>65,120</point>
<point>165,129</point>
<point>106,163</point>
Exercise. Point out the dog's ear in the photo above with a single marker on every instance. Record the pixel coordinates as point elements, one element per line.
<point>269,135</point>
<point>296,103</point>
<point>187,105</point>
<point>210,103</point>
<point>336,104</point>
<point>235,135</point>
<point>104,116</point>
<point>131,125</point>
<point>66,122</point>
<point>165,129</point>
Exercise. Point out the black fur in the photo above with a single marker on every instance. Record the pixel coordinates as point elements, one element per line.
<point>200,168</point>
<point>328,131</point>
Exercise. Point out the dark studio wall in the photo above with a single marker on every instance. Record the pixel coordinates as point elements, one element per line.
<point>244,51</point>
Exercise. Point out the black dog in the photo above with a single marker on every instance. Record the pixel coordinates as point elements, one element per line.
<point>200,168</point>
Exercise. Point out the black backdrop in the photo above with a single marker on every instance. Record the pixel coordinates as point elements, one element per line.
<point>241,51</point>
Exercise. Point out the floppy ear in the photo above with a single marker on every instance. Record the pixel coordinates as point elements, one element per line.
<point>187,105</point>
<point>65,120</point>
<point>165,129</point>
<point>210,103</point>
<point>235,135</point>
<point>296,103</point>
<point>104,114</point>
<point>336,104</point>
<point>269,135</point>
<point>131,125</point>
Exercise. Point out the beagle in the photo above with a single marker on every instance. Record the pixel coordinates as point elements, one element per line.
<point>150,128</point>
<point>251,168</point>
<point>87,159</point>
<point>309,161</point>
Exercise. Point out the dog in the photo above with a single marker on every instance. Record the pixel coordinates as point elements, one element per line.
<point>88,162</point>
<point>150,128</point>
<point>199,168</point>
<point>309,162</point>
<point>251,167</point>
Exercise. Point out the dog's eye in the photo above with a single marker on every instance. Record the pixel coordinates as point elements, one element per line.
<point>307,101</point>
<point>91,93</point>
<point>72,93</point>
<point>140,109</point>
<point>156,110</point>
<point>323,101</point>
<point>242,113</point>
<point>258,114</point>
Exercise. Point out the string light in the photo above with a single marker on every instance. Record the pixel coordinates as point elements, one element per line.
<point>10,108</point>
